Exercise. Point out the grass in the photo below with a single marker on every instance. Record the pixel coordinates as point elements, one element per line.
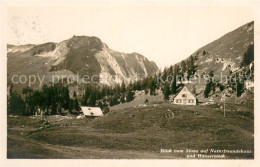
<point>133,133</point>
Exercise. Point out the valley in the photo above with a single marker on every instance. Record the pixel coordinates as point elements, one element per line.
<point>139,120</point>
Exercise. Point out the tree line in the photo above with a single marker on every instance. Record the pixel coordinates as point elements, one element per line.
<point>50,100</point>
<point>56,99</point>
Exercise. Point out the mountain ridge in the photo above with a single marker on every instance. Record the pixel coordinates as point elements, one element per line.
<point>83,55</point>
<point>222,58</point>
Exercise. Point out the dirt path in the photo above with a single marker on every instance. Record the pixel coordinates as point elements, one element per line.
<point>27,148</point>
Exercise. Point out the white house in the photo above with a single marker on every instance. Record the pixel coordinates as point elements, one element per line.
<point>249,85</point>
<point>184,97</point>
<point>92,111</point>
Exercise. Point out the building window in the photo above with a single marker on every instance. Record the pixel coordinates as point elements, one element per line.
<point>178,101</point>
<point>184,95</point>
<point>190,101</point>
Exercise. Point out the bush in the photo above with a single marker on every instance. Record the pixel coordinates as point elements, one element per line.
<point>248,57</point>
<point>64,112</point>
<point>106,110</point>
<point>129,96</point>
<point>247,114</point>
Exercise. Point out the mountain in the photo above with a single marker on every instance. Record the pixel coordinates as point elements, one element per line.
<point>226,53</point>
<point>79,55</point>
<point>225,58</point>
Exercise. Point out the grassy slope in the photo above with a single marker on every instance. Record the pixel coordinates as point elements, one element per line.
<point>139,100</point>
<point>230,46</point>
<point>134,133</point>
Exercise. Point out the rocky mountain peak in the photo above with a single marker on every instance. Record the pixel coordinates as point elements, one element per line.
<point>83,55</point>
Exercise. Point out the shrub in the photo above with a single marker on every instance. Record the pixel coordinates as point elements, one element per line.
<point>106,110</point>
<point>247,114</point>
<point>248,56</point>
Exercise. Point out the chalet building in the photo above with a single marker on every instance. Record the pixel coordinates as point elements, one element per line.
<point>185,97</point>
<point>249,85</point>
<point>92,111</point>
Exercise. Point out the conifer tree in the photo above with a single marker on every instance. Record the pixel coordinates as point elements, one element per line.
<point>92,99</point>
<point>239,87</point>
<point>16,104</point>
<point>248,56</point>
<point>123,87</point>
<point>207,90</point>
<point>183,67</point>
<point>166,91</point>
<point>122,98</point>
<point>174,85</point>
<point>76,104</point>
<point>129,96</point>
<point>152,87</point>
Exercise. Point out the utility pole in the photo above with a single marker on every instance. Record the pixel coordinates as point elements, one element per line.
<point>224,108</point>
<point>224,105</point>
<point>236,95</point>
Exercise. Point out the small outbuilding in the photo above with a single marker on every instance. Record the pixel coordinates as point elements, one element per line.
<point>92,111</point>
<point>185,97</point>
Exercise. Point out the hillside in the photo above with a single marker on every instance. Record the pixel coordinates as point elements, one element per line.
<point>139,132</point>
<point>226,53</point>
<point>223,58</point>
<point>80,55</point>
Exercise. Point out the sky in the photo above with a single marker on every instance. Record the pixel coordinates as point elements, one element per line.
<point>165,33</point>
